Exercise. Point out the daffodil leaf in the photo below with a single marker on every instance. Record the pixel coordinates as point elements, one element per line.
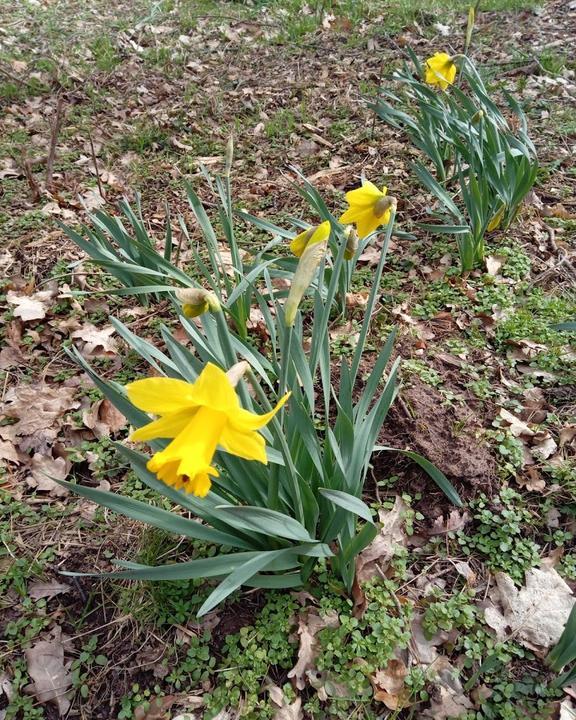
<point>348,502</point>
<point>265,521</point>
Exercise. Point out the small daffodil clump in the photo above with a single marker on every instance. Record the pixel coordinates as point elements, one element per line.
<point>369,208</point>
<point>199,417</point>
<point>440,70</point>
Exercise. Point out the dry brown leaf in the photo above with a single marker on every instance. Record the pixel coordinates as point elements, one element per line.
<point>448,705</point>
<point>517,427</point>
<point>50,589</point>
<point>567,434</point>
<point>389,687</point>
<point>543,445</point>
<point>38,407</point>
<point>536,613</point>
<point>346,333</point>
<point>448,699</point>
<point>31,307</point>
<point>8,451</point>
<point>531,479</point>
<point>50,676</point>
<point>309,625</point>
<point>494,263</point>
<point>104,419</point>
<point>45,470</point>
<point>357,300</point>
<point>286,710</point>
<point>157,709</point>
<point>423,650</point>
<point>375,558</point>
<point>97,339</point>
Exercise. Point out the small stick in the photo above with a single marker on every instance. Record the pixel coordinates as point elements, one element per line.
<point>93,153</point>
<point>32,182</point>
<point>54,141</point>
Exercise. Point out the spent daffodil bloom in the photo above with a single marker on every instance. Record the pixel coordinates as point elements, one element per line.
<point>440,70</point>
<point>313,235</point>
<point>369,208</point>
<point>199,417</point>
<point>196,301</point>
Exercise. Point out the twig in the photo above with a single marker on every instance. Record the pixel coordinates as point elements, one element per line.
<point>56,125</point>
<point>32,182</point>
<point>93,153</point>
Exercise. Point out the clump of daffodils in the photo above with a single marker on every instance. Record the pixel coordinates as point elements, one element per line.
<point>440,70</point>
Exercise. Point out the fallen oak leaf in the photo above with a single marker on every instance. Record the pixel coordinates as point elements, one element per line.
<point>536,613</point>
<point>309,624</point>
<point>95,339</point>
<point>30,307</point>
<point>374,559</point>
<point>44,473</point>
<point>389,686</point>
<point>103,418</point>
<point>39,590</point>
<point>50,677</point>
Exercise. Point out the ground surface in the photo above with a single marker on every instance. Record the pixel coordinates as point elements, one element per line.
<point>103,100</point>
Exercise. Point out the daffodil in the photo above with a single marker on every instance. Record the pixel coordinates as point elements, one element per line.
<point>313,235</point>
<point>369,208</point>
<point>196,301</point>
<point>199,417</point>
<point>310,246</point>
<point>440,70</point>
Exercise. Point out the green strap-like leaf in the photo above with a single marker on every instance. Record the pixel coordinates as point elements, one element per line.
<point>348,502</point>
<point>267,522</point>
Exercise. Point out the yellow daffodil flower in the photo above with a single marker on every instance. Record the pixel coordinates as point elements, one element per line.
<point>200,417</point>
<point>369,208</point>
<point>310,237</point>
<point>196,301</point>
<point>440,70</point>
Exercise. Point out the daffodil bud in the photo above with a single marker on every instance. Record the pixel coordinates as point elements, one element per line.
<point>229,156</point>
<point>309,261</point>
<point>351,242</point>
<point>196,301</point>
<point>475,119</point>
<point>237,372</point>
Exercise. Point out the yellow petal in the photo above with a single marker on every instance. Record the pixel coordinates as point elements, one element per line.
<point>368,224</point>
<point>160,395</point>
<point>165,427</point>
<point>298,245</point>
<point>214,390</point>
<point>248,445</point>
<point>364,196</point>
<point>198,485</point>
<point>244,420</point>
